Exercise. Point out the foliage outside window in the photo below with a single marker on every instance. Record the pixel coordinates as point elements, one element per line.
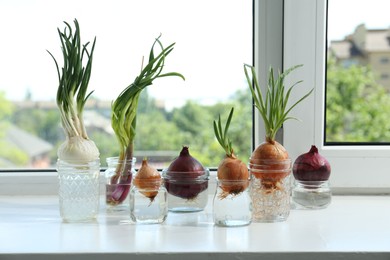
<point>357,81</point>
<point>161,130</point>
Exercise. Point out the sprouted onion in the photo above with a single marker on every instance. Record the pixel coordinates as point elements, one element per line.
<point>232,173</point>
<point>72,95</point>
<point>274,112</point>
<point>124,115</point>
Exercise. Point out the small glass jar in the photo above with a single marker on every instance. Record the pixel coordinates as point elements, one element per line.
<point>118,184</point>
<point>78,190</point>
<point>148,202</point>
<point>312,194</point>
<point>270,190</point>
<point>232,204</point>
<point>187,191</point>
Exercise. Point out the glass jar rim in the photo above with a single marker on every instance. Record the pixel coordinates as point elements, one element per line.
<point>149,181</point>
<point>115,159</point>
<point>233,181</point>
<point>313,182</point>
<point>78,162</point>
<point>269,161</point>
<point>186,176</point>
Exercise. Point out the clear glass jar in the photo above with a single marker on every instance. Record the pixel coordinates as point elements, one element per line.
<point>312,194</point>
<point>270,190</point>
<point>187,191</point>
<point>118,184</point>
<point>78,190</point>
<point>232,204</point>
<point>148,202</point>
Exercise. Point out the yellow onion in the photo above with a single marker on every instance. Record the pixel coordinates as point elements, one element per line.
<point>147,180</point>
<point>232,172</point>
<point>233,175</point>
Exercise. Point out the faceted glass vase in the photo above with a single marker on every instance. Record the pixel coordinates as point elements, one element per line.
<point>270,190</point>
<point>232,204</point>
<point>78,190</point>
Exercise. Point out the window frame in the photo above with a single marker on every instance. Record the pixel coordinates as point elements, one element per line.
<point>285,33</point>
<point>357,168</point>
<point>44,181</point>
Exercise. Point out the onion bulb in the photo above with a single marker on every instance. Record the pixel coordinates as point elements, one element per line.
<point>270,161</point>
<point>233,176</point>
<point>232,173</point>
<point>147,180</point>
<point>311,166</point>
<point>186,163</point>
<point>78,149</point>
<point>185,177</point>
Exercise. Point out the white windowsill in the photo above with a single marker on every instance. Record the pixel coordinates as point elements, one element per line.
<point>46,183</point>
<point>352,227</point>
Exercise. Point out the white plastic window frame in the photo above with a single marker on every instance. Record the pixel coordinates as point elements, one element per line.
<point>355,169</point>
<point>286,33</point>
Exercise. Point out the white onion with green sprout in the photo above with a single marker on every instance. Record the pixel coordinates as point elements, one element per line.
<point>72,95</point>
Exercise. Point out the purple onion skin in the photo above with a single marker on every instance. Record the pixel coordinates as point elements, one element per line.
<point>121,190</point>
<point>183,174</point>
<point>311,166</point>
<point>187,191</point>
<point>186,163</point>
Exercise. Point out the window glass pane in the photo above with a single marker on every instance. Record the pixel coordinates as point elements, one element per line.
<point>213,40</point>
<point>358,82</point>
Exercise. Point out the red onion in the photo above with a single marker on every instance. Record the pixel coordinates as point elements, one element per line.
<point>311,166</point>
<point>185,176</point>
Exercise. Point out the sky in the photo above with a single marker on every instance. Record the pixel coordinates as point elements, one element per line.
<point>209,52</point>
<point>345,15</point>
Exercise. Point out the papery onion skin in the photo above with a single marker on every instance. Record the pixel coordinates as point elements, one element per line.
<point>311,166</point>
<point>186,190</point>
<point>230,170</point>
<point>184,176</point>
<point>269,151</point>
<point>186,163</point>
<point>78,149</point>
<point>147,178</point>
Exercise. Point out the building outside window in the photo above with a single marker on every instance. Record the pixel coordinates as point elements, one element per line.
<point>360,155</point>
